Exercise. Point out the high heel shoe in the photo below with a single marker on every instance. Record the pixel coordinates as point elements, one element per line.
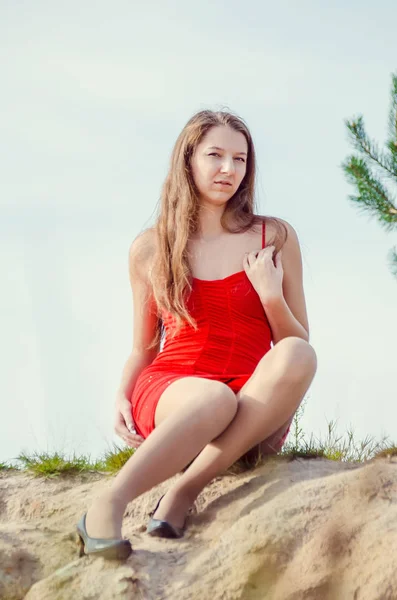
<point>159,528</point>
<point>114,549</point>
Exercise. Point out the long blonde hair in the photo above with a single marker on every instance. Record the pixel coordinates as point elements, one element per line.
<point>177,217</point>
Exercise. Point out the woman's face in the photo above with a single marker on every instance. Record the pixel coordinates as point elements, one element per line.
<point>221,156</point>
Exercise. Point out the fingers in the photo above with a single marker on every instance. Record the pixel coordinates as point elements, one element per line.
<point>125,421</point>
<point>267,250</point>
<point>131,439</point>
<point>134,441</point>
<point>131,427</point>
<point>250,257</point>
<point>129,436</point>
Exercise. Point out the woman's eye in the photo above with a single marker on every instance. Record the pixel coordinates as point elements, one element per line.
<point>216,154</point>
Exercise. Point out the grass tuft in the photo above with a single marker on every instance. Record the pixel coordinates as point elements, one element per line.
<point>115,458</point>
<point>46,464</point>
<point>391,451</point>
<point>342,449</point>
<point>336,448</point>
<point>4,466</point>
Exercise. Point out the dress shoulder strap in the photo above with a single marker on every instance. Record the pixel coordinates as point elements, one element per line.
<point>263,234</point>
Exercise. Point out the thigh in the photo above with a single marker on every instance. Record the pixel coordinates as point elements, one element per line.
<point>187,389</point>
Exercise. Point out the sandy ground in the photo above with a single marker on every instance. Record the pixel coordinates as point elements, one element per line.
<point>309,529</point>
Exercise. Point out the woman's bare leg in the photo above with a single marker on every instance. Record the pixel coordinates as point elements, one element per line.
<point>266,402</point>
<point>191,412</point>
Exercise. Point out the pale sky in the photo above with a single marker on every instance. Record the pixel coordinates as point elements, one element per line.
<point>93,98</point>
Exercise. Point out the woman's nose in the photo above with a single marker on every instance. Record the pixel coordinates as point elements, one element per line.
<point>227,165</point>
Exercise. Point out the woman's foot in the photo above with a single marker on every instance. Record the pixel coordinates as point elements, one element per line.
<point>112,549</point>
<point>104,518</point>
<point>173,508</point>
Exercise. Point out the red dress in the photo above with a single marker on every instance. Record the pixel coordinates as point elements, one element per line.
<point>233,335</point>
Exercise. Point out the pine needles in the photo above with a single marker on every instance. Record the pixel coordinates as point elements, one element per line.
<point>373,169</point>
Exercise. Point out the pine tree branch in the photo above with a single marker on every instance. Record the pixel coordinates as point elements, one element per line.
<point>392,121</point>
<point>373,196</point>
<point>364,145</point>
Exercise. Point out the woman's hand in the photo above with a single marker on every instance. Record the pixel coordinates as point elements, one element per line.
<point>265,274</point>
<point>124,425</point>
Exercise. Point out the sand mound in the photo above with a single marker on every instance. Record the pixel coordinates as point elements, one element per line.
<point>306,529</point>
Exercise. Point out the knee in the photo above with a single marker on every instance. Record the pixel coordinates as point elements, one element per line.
<point>222,405</point>
<point>296,357</point>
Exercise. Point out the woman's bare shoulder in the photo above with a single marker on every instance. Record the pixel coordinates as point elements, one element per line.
<point>291,243</point>
<point>287,225</point>
<point>274,226</point>
<point>145,239</point>
<point>141,252</point>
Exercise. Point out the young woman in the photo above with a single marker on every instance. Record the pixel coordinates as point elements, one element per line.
<point>225,285</point>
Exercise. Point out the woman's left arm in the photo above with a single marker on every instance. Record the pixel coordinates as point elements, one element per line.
<point>287,313</point>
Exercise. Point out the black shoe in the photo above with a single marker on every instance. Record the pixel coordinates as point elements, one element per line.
<point>159,528</point>
<point>114,549</point>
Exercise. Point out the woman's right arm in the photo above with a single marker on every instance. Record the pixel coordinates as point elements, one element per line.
<point>144,326</point>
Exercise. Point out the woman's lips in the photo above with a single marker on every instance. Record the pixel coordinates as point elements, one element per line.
<point>222,183</point>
